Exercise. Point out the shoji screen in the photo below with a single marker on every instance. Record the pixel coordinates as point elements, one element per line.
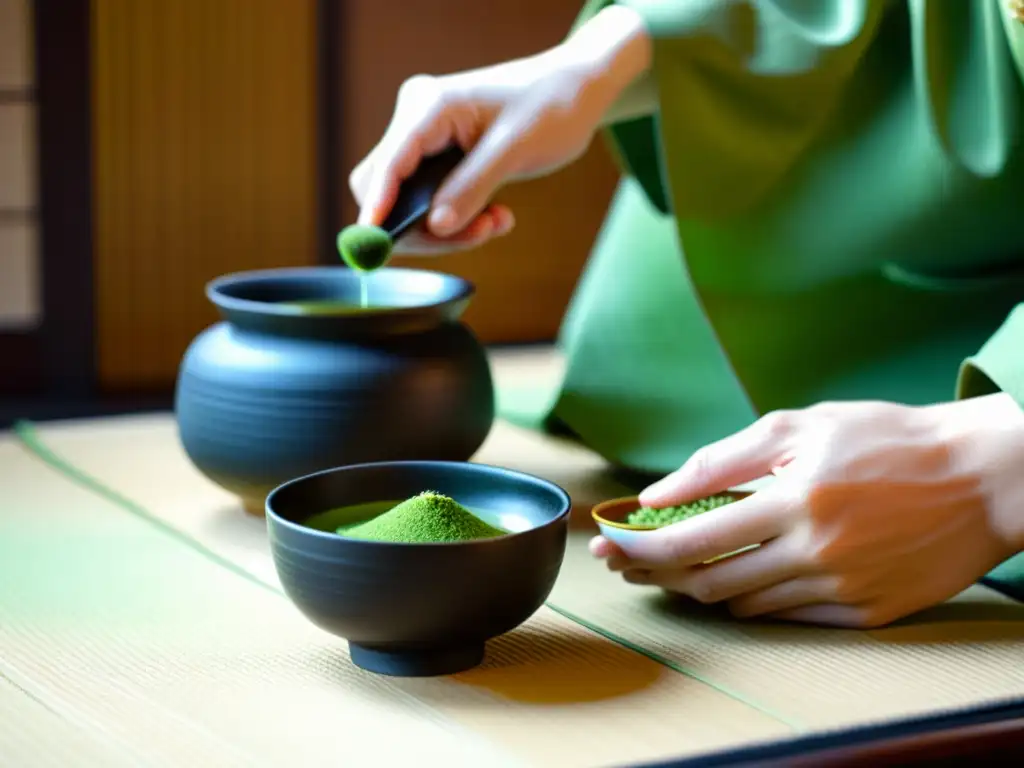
<point>19,290</point>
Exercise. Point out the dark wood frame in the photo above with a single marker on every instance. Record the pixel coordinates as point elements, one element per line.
<point>330,180</point>
<point>64,104</point>
<point>54,363</point>
<point>994,732</point>
<point>20,364</point>
<point>20,359</point>
<point>50,372</point>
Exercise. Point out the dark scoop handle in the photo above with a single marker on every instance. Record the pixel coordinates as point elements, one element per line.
<point>417,192</point>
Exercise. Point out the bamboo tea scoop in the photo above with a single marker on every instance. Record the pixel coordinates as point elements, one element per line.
<point>366,248</point>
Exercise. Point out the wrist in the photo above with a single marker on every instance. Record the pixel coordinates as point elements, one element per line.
<point>1012,506</point>
<point>985,438</point>
<point>612,54</point>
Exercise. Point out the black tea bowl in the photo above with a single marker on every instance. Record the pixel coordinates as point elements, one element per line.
<point>416,610</point>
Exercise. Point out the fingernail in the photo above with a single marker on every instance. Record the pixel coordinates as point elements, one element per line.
<point>443,220</point>
<point>366,216</point>
<point>637,576</point>
<point>651,493</point>
<point>505,221</point>
<point>667,486</point>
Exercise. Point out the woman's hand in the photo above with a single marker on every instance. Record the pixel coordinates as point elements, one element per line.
<point>517,120</point>
<point>877,511</point>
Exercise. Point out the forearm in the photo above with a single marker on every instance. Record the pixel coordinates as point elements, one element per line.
<point>607,61</point>
<point>614,53</point>
<point>990,387</point>
<point>1007,499</point>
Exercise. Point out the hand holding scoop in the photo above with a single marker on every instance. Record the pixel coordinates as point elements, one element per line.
<point>364,247</point>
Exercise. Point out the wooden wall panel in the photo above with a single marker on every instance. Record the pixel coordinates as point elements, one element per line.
<point>205,140</point>
<point>524,281</point>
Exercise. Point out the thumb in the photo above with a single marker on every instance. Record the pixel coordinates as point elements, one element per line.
<point>393,162</point>
<point>747,455</point>
<point>470,188</point>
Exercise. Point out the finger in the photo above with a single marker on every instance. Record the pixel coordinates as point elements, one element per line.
<point>788,595</point>
<point>601,547</point>
<point>504,219</point>
<point>740,458</point>
<point>400,132</point>
<point>420,241</point>
<point>490,224</point>
<point>637,576</point>
<point>395,162</point>
<point>416,131</point>
<point>835,615</point>
<point>474,182</point>
<point>359,178</point>
<point>755,571</point>
<point>619,563</point>
<point>758,518</point>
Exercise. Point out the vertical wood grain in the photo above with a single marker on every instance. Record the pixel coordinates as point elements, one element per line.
<point>524,281</point>
<point>204,152</point>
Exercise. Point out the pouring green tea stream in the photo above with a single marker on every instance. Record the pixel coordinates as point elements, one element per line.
<point>364,248</point>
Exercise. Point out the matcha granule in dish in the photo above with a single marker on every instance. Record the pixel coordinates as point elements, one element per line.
<point>669,515</point>
<point>429,518</point>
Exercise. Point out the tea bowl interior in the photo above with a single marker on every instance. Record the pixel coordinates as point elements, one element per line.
<point>396,298</point>
<point>417,609</point>
<point>611,517</point>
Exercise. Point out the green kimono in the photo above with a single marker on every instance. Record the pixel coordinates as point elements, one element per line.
<point>829,204</point>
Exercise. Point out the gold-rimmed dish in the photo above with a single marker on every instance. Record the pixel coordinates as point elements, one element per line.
<point>611,517</point>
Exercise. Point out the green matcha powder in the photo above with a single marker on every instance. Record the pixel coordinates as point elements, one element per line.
<point>669,515</point>
<point>364,248</point>
<point>429,518</point>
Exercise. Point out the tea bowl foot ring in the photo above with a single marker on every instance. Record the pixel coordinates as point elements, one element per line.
<point>254,507</point>
<point>423,662</point>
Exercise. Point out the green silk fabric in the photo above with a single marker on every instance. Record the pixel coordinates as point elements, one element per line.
<point>827,205</point>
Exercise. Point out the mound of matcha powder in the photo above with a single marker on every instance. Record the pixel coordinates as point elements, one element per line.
<point>427,518</point>
<point>669,515</point>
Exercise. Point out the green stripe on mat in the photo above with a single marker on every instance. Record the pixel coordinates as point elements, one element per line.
<point>30,439</point>
<point>33,442</point>
<point>686,672</point>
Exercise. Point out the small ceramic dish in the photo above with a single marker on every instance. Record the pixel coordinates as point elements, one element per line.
<point>611,516</point>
